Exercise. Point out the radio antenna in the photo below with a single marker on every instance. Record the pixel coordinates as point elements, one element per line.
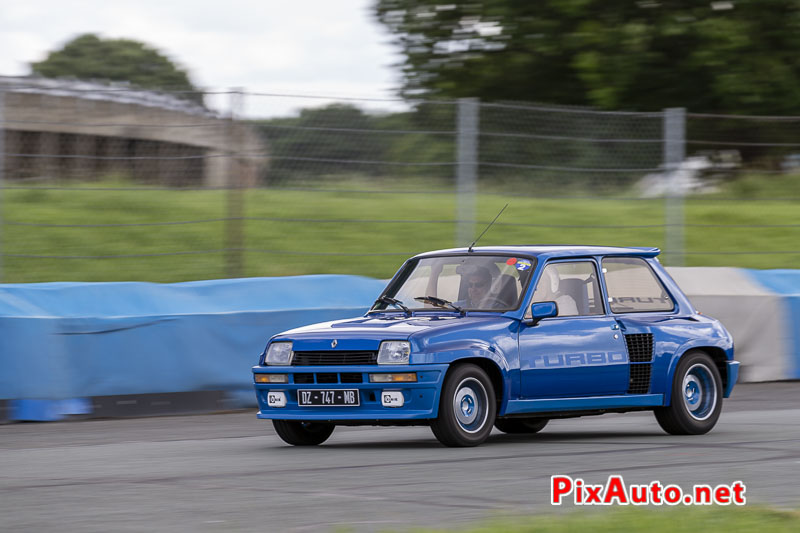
<point>487,228</point>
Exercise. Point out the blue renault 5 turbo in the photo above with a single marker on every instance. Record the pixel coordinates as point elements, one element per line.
<point>511,337</point>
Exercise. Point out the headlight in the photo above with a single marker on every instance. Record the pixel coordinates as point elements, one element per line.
<point>279,353</point>
<point>394,353</point>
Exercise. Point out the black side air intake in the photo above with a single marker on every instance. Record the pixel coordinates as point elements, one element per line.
<point>640,355</point>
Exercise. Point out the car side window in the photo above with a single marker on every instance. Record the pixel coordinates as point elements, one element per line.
<point>573,286</point>
<point>633,287</point>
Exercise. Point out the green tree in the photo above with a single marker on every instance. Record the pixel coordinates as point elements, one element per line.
<point>735,56</point>
<point>333,140</point>
<point>340,140</point>
<point>88,57</point>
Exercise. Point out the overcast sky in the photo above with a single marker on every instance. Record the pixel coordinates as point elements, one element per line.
<point>304,47</point>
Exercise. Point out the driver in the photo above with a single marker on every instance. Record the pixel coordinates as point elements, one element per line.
<point>479,282</point>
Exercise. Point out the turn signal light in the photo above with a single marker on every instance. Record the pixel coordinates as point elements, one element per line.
<point>272,378</point>
<point>405,377</point>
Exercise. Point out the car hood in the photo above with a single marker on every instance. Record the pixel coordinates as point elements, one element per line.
<point>366,333</point>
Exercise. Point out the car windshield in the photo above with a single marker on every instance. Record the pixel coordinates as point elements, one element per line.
<point>469,282</point>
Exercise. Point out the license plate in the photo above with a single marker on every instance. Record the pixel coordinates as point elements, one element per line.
<point>337,397</point>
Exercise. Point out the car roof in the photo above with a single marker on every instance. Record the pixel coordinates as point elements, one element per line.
<point>548,251</point>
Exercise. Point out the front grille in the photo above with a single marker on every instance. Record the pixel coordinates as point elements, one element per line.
<point>328,377</point>
<point>351,377</point>
<point>639,382</point>
<point>334,358</point>
<point>640,347</point>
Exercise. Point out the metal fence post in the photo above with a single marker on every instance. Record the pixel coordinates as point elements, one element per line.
<point>234,234</point>
<point>674,154</point>
<point>467,170</point>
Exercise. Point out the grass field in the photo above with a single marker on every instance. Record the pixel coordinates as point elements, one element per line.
<point>652,520</point>
<point>294,232</point>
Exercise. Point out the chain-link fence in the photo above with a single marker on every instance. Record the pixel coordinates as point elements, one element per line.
<point>111,183</point>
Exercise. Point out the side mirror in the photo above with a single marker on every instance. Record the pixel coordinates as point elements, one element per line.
<point>540,310</point>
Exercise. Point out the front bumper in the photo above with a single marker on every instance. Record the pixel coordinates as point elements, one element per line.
<point>421,399</point>
<point>733,375</point>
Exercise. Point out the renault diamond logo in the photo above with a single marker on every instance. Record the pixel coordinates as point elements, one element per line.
<point>334,342</point>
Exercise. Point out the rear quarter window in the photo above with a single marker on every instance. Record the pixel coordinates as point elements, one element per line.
<point>633,287</point>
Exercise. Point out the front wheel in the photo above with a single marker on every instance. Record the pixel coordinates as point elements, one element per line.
<point>467,408</point>
<point>696,397</point>
<point>302,433</point>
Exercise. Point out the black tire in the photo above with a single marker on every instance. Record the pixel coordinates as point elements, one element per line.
<point>467,407</point>
<point>521,425</point>
<point>300,433</point>
<point>696,396</point>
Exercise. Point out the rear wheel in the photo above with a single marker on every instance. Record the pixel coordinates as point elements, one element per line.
<point>696,397</point>
<point>521,425</point>
<point>300,433</point>
<point>467,407</point>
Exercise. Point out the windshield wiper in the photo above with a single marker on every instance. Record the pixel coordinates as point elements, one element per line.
<point>439,302</point>
<point>391,301</point>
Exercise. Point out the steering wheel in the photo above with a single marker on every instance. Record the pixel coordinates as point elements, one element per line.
<point>494,302</point>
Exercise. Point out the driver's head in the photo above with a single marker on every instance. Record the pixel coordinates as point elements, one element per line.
<point>478,282</point>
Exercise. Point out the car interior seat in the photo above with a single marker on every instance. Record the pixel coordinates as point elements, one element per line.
<point>508,290</point>
<point>575,289</point>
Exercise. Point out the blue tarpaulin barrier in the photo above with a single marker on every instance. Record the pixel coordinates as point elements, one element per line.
<point>64,343</point>
<point>61,342</point>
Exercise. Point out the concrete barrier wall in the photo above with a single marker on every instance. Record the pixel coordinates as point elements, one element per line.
<point>786,283</point>
<point>63,344</point>
<point>761,309</point>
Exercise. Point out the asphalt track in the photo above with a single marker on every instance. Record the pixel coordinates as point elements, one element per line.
<point>230,472</point>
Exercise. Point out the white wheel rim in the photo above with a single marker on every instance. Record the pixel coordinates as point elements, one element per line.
<point>471,405</point>
<point>699,392</point>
